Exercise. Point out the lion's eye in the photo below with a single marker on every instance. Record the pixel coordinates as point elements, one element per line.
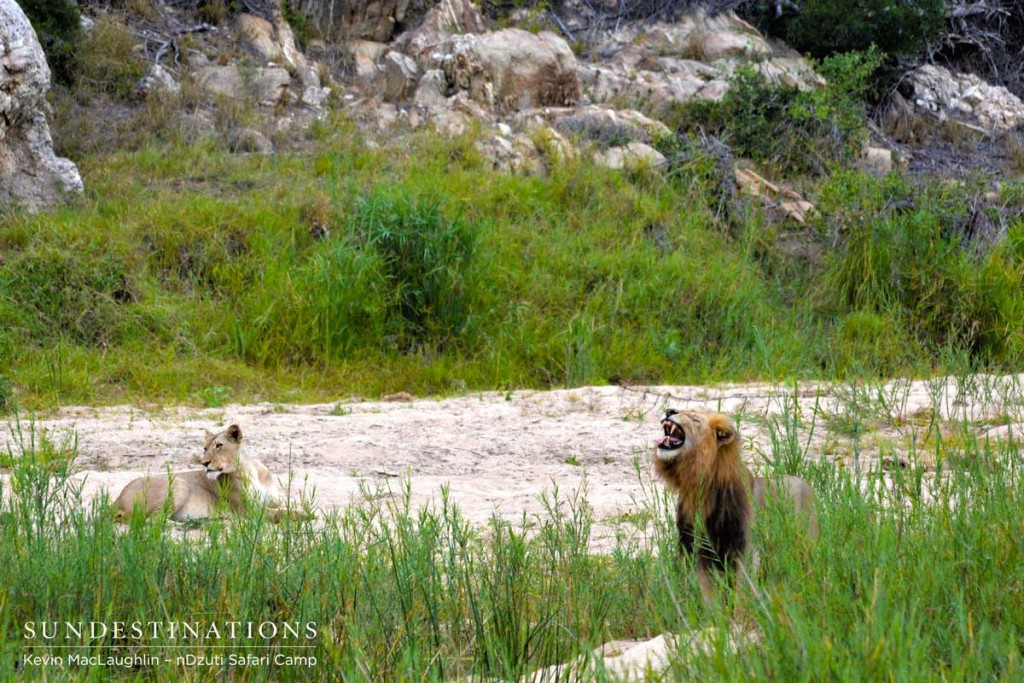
<point>219,445</point>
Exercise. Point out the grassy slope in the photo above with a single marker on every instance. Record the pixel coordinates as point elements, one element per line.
<point>189,275</point>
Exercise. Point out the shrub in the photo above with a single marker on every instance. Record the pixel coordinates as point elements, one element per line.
<point>798,131</point>
<point>424,256</point>
<point>823,28</point>
<point>107,63</point>
<point>58,24</point>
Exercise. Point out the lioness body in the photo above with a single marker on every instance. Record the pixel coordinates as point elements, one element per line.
<point>699,459</point>
<point>227,476</point>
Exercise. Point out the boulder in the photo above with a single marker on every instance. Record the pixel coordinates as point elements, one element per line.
<point>965,98</point>
<point>157,81</point>
<point>31,174</point>
<point>432,91</point>
<point>443,20</point>
<point>601,124</point>
<point>511,70</point>
<point>258,36</point>
<point>272,86</point>
<point>400,77</point>
<point>708,39</point>
<point>632,156</point>
<point>269,85</point>
<point>512,154</point>
<point>664,64</point>
<point>225,81</point>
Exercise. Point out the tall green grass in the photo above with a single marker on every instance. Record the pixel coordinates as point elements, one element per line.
<point>916,577</point>
<point>362,271</point>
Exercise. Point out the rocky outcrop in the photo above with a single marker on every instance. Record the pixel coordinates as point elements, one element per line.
<point>269,86</point>
<point>510,70</point>
<point>667,64</point>
<point>31,175</point>
<point>965,98</point>
<point>400,77</point>
<point>603,125</point>
<point>272,43</point>
<point>445,19</point>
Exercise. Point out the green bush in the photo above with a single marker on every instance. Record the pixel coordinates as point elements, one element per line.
<point>898,253</point>
<point>822,28</point>
<point>58,24</point>
<point>793,130</point>
<point>424,257</point>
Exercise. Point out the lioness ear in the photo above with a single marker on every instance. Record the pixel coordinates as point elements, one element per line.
<point>725,433</point>
<point>209,435</point>
<point>234,433</point>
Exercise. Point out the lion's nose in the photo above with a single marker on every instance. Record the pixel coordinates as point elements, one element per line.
<point>206,463</point>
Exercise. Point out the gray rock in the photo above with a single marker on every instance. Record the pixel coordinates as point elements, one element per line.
<point>272,86</point>
<point>432,91</point>
<point>966,98</point>
<point>443,20</point>
<point>511,70</point>
<point>31,175</point>
<point>400,77</point>
<point>633,156</point>
<point>225,80</point>
<point>156,81</point>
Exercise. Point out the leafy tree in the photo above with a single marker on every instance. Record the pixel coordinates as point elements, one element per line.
<point>58,24</point>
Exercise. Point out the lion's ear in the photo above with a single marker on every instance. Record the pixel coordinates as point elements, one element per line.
<point>208,437</point>
<point>234,433</point>
<point>725,432</point>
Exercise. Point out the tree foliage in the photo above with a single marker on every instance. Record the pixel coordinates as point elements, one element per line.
<point>58,24</point>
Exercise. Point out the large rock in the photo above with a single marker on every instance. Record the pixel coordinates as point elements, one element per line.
<point>353,19</point>
<point>257,34</point>
<point>965,98</point>
<point>400,77</point>
<point>31,175</point>
<point>664,65</point>
<point>225,81</point>
<point>157,81</point>
<point>443,20</point>
<point>269,85</point>
<point>601,124</point>
<point>511,70</point>
<point>632,156</point>
<point>273,43</point>
<point>698,36</point>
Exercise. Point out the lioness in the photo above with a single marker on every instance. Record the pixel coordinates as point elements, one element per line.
<point>698,457</point>
<point>194,494</point>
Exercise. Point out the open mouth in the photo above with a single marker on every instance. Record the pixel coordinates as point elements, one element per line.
<point>674,436</point>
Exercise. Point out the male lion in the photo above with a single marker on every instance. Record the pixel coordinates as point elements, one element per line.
<point>194,494</point>
<point>698,457</point>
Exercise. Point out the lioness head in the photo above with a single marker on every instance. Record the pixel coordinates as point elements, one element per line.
<point>689,433</point>
<point>220,455</point>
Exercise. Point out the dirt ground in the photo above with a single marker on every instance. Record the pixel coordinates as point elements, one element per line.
<point>499,452</point>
